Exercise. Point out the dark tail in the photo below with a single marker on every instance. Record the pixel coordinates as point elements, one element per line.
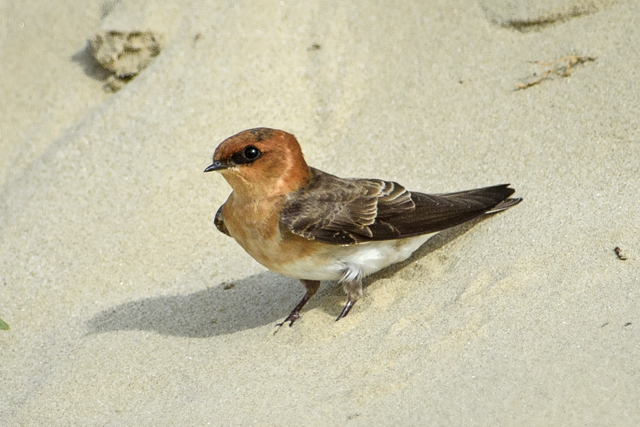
<point>435,212</point>
<point>498,194</point>
<point>506,204</point>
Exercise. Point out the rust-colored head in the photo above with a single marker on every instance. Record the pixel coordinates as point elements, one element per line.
<point>261,162</point>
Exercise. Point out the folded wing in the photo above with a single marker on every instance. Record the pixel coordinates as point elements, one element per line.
<point>346,211</point>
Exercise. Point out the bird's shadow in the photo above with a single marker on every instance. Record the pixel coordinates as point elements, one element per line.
<point>257,300</point>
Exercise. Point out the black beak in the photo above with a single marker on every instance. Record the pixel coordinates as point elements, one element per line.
<point>216,166</point>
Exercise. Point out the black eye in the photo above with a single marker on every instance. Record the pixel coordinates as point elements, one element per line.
<point>246,156</point>
<point>251,153</point>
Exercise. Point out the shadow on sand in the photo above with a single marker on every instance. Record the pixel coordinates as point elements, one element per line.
<point>257,300</point>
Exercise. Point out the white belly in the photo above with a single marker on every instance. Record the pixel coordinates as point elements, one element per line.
<point>345,263</point>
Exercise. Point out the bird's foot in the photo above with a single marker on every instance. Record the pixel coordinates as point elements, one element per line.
<point>346,309</point>
<point>295,315</point>
<point>312,287</point>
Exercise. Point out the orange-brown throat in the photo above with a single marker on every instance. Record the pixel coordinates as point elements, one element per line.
<point>279,169</point>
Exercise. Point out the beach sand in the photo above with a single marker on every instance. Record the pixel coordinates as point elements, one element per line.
<point>127,307</point>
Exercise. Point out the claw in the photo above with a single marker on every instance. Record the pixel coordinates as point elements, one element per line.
<point>295,315</point>
<point>312,287</point>
<point>346,309</point>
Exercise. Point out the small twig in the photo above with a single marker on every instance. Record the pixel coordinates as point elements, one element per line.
<point>560,67</point>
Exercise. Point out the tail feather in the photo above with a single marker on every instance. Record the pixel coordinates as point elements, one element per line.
<point>504,205</point>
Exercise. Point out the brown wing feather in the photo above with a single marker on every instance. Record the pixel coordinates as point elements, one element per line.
<point>346,211</point>
<point>436,212</point>
<point>219,222</point>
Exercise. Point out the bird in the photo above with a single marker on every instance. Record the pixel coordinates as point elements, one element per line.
<point>304,223</point>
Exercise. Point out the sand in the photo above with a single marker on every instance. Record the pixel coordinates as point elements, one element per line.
<point>127,307</point>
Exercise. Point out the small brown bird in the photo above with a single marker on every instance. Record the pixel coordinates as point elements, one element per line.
<point>304,223</point>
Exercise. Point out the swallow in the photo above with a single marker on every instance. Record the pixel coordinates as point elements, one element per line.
<point>307,224</point>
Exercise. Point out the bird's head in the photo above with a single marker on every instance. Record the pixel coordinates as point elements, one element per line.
<point>261,162</point>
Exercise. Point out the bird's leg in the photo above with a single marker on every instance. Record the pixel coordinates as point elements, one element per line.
<point>312,287</point>
<point>353,288</point>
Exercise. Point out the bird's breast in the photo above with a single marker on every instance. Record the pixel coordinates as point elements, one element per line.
<point>254,224</point>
